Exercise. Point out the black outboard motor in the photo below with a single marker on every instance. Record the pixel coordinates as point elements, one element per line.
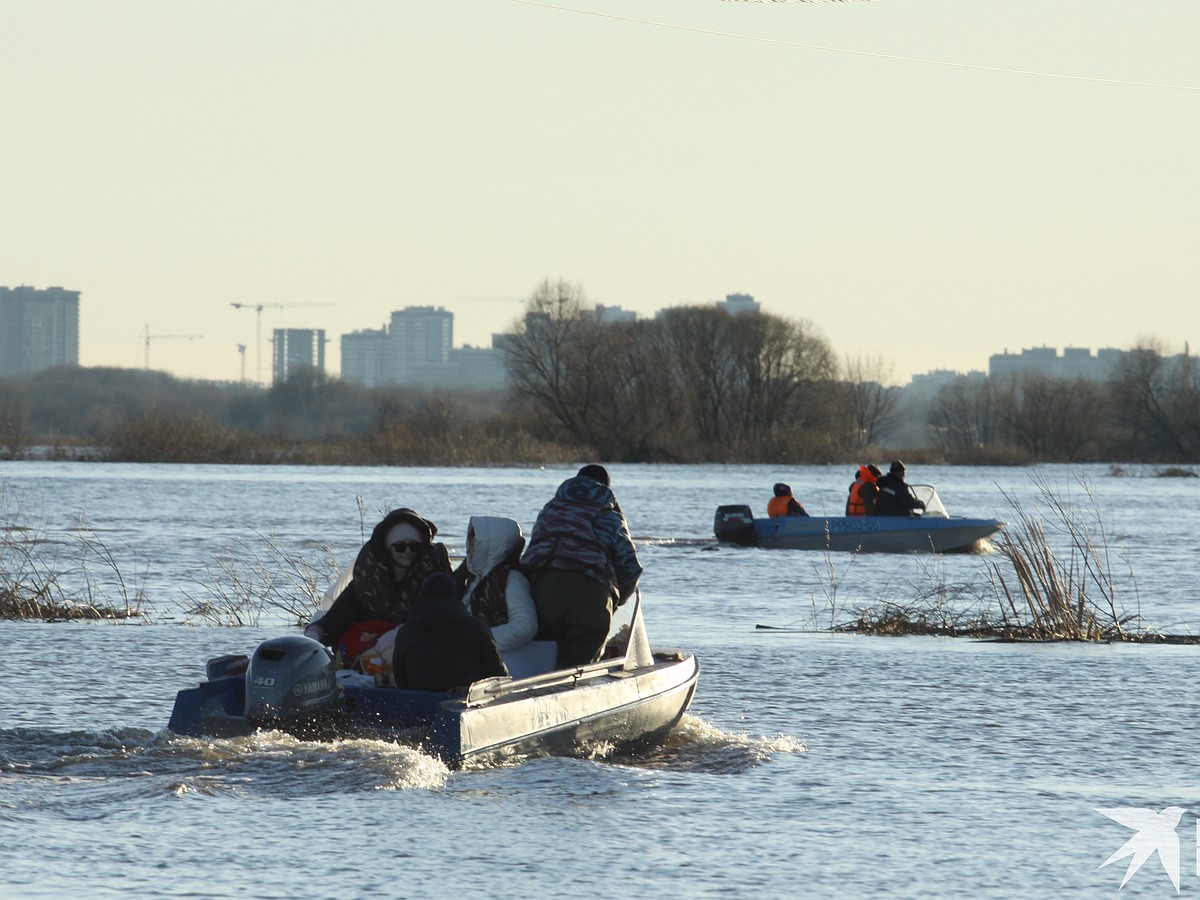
<point>290,683</point>
<point>735,525</point>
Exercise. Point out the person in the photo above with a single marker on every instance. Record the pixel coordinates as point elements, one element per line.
<point>442,647</point>
<point>864,491</point>
<point>784,504</point>
<point>492,586</point>
<point>581,564</point>
<point>896,498</point>
<point>387,576</point>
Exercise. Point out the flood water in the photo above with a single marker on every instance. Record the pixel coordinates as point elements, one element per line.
<point>810,763</point>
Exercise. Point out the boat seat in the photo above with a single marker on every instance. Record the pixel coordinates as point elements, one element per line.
<point>533,658</point>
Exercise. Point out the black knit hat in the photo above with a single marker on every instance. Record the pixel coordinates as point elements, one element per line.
<point>595,472</point>
<point>438,586</point>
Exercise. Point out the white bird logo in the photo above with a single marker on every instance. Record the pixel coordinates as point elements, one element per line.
<point>1155,831</point>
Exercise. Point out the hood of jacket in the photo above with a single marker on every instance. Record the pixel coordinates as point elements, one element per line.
<point>378,540</point>
<point>586,490</point>
<point>496,540</point>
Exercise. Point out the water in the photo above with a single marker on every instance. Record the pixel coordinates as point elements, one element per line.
<point>809,764</point>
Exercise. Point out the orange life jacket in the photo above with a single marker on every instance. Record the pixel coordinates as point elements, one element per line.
<point>778,506</point>
<point>855,506</point>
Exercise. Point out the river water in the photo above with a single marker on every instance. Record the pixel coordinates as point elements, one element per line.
<point>810,763</point>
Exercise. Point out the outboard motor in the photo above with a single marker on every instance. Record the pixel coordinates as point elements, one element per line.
<point>290,683</point>
<point>735,525</point>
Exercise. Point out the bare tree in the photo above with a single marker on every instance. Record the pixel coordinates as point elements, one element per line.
<point>15,430</point>
<point>1156,400</point>
<point>556,358</point>
<point>697,365</point>
<point>870,404</point>
<point>964,416</point>
<point>1054,418</point>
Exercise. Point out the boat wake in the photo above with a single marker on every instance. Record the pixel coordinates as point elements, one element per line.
<point>696,746</point>
<point>35,764</point>
<point>265,764</point>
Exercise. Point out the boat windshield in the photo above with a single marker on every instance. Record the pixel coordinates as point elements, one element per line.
<point>933,503</point>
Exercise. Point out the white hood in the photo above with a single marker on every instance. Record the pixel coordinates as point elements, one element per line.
<point>496,539</point>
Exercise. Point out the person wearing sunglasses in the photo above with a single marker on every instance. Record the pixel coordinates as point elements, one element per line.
<point>387,577</point>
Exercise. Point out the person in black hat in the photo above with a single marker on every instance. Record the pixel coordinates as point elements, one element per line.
<point>388,573</point>
<point>783,503</point>
<point>895,497</point>
<point>581,564</point>
<point>442,647</point>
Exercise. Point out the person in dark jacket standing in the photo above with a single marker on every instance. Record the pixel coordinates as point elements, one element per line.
<point>442,647</point>
<point>581,564</point>
<point>895,497</point>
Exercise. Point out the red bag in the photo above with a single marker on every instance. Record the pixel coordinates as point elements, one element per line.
<point>361,636</point>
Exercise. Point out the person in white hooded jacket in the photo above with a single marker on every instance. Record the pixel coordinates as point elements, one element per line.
<point>492,586</point>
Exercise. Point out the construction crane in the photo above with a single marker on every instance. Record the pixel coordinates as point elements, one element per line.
<point>242,351</point>
<point>258,308</point>
<point>166,337</point>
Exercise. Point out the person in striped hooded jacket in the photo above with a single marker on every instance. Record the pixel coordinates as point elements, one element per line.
<point>581,564</point>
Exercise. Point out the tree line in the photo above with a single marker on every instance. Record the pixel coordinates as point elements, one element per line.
<point>695,384</point>
<point>1147,411</point>
<point>699,384</point>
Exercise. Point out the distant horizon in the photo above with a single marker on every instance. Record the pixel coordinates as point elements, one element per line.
<point>335,368</point>
<point>333,350</point>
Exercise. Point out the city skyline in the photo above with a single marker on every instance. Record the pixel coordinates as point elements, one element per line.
<point>416,346</point>
<point>925,182</point>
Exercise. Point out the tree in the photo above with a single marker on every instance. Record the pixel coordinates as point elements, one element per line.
<point>783,377</point>
<point>964,416</point>
<point>1054,418</point>
<point>694,346</point>
<point>870,406</point>
<point>15,431</point>
<point>556,356</point>
<point>1156,401</point>
<point>693,384</point>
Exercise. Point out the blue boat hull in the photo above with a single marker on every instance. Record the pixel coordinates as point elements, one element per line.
<point>563,712</point>
<point>874,534</point>
<point>858,534</point>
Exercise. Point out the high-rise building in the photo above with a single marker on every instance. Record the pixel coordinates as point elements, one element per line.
<point>419,337</point>
<point>364,356</point>
<point>297,348</point>
<point>1075,362</point>
<point>38,329</point>
<point>739,303</point>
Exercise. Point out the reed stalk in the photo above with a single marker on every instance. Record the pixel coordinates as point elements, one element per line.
<point>1058,591</point>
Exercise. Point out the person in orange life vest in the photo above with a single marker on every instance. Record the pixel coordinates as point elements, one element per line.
<point>784,504</point>
<point>864,491</point>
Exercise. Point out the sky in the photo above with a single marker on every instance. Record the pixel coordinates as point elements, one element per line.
<point>925,182</point>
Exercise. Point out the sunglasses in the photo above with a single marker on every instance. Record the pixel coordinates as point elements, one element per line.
<point>406,546</point>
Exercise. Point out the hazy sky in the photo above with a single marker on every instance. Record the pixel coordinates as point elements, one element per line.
<point>168,159</point>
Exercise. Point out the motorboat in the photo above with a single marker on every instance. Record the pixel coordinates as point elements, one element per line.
<point>632,697</point>
<point>933,531</point>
